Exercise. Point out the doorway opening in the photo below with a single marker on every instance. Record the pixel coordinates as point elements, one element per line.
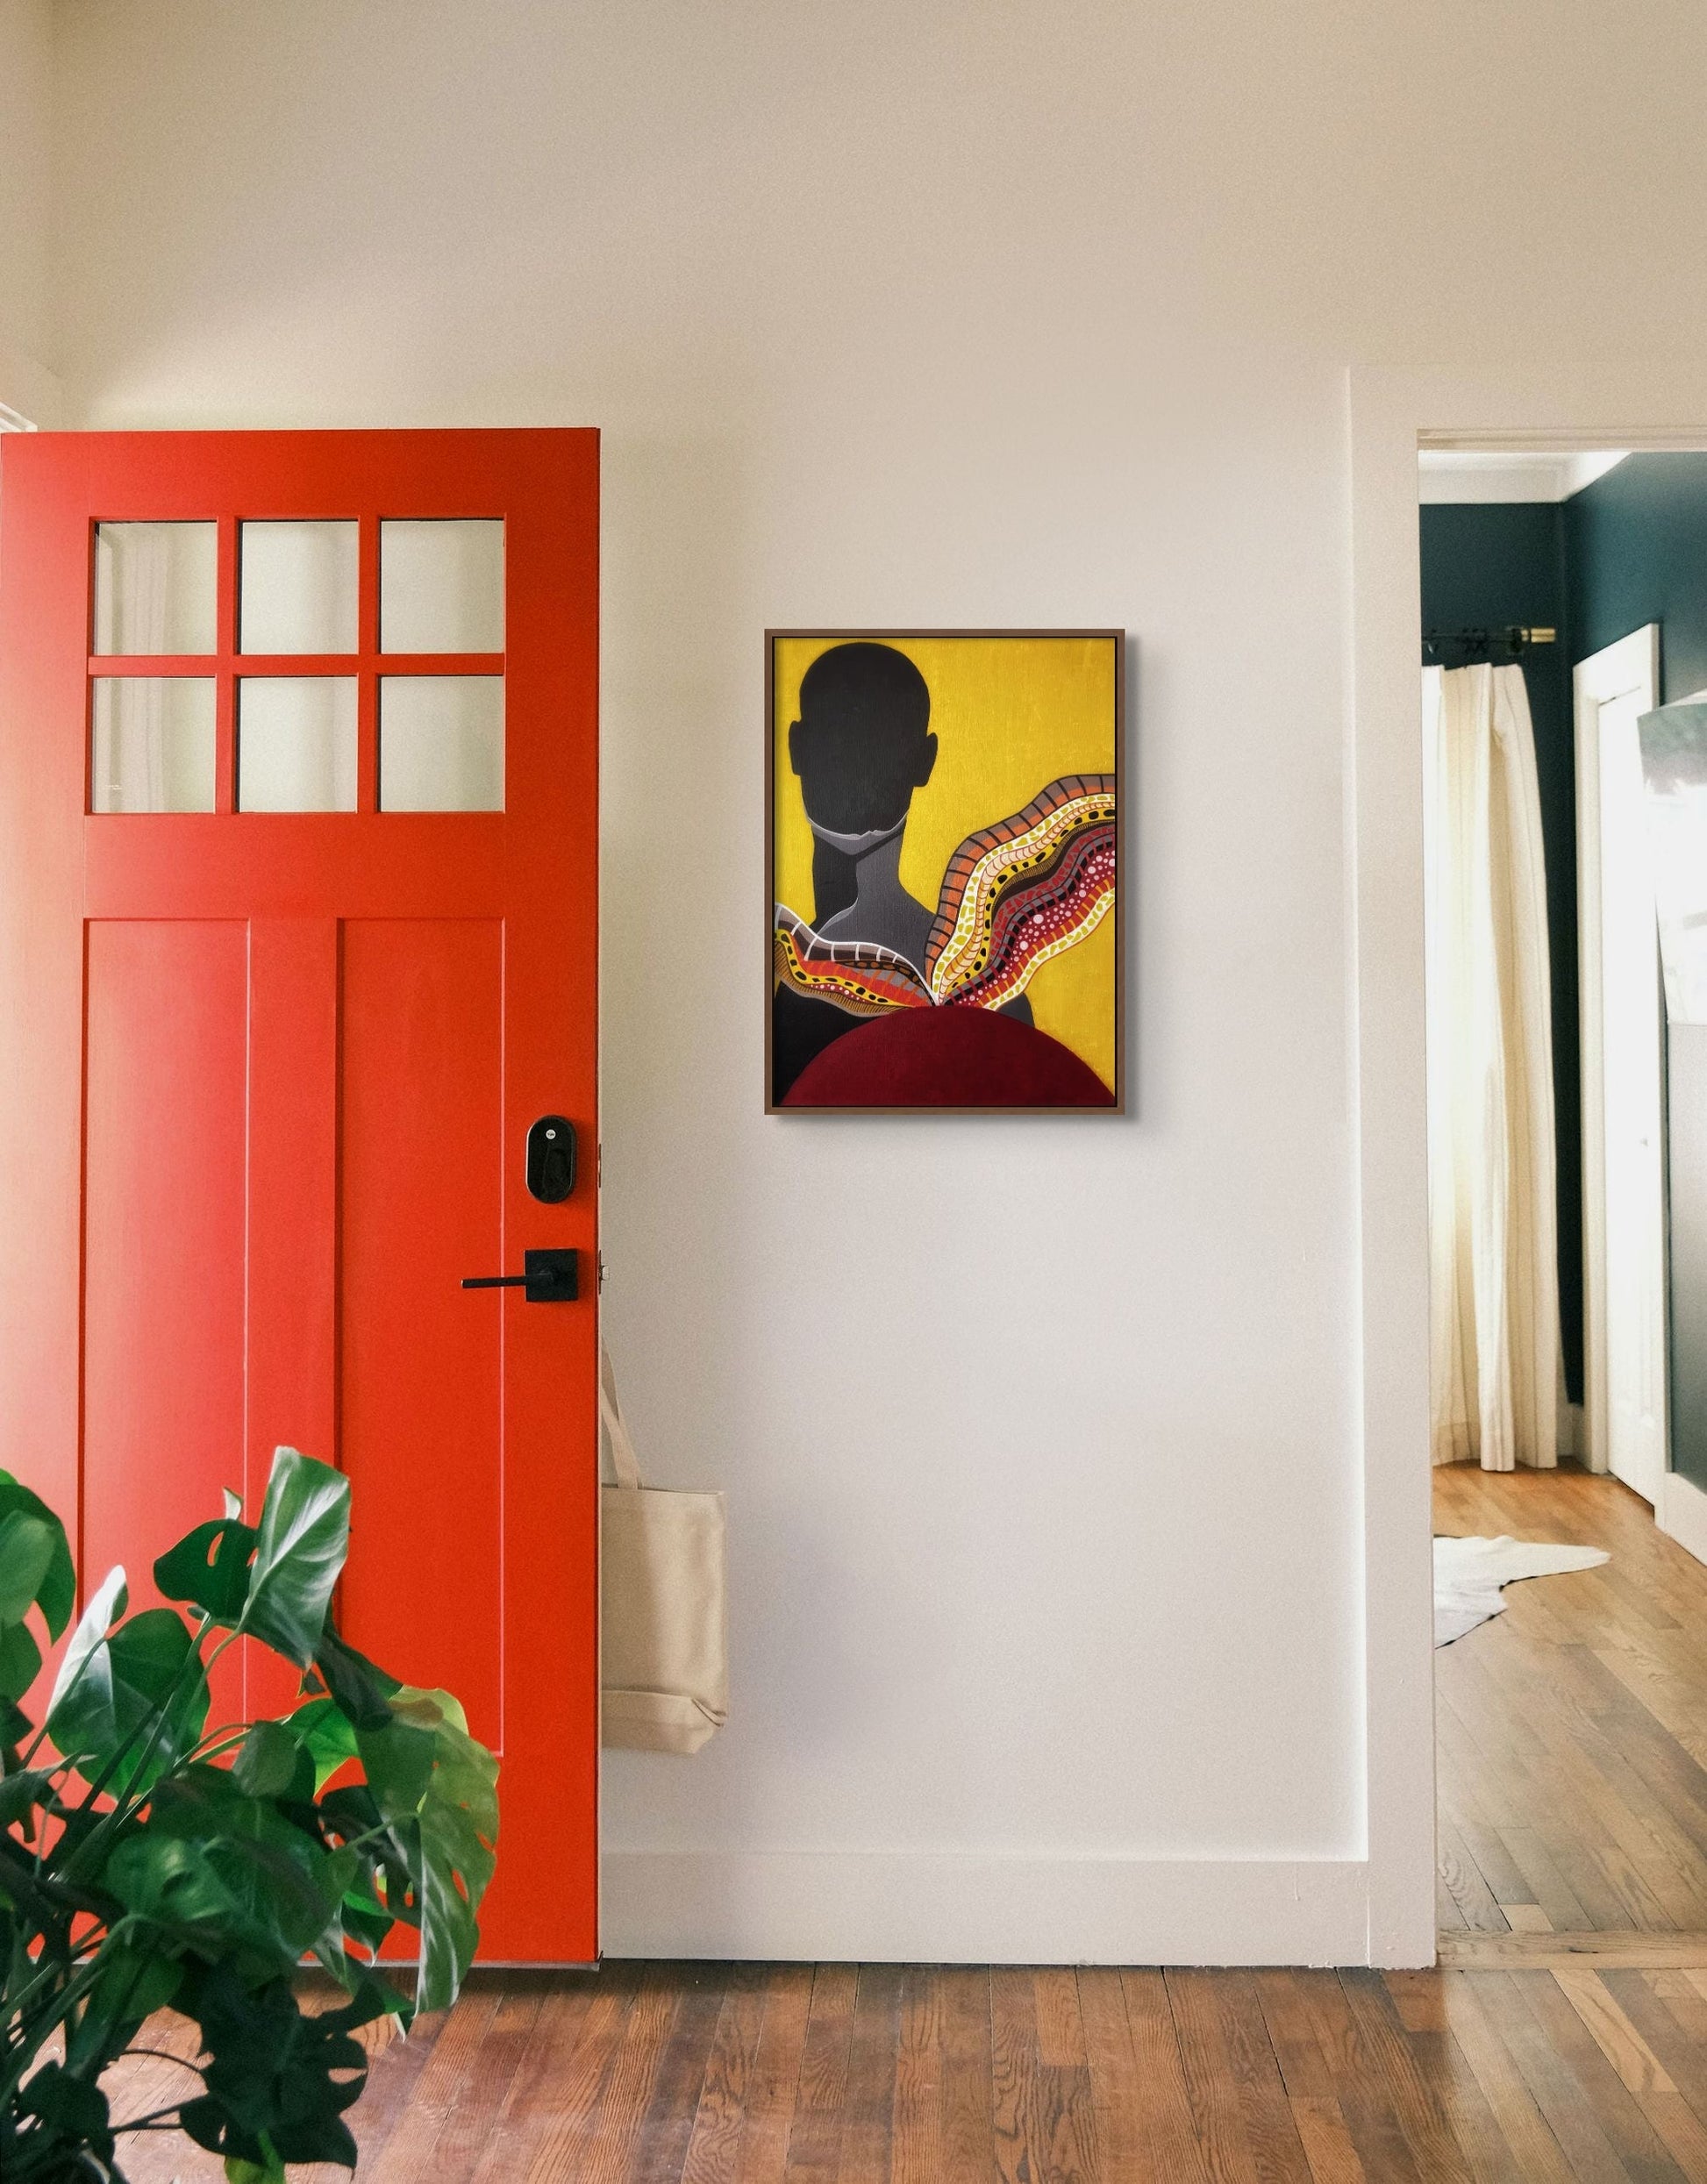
<point>1564,602</point>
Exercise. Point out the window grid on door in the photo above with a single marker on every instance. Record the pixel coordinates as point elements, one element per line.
<point>442,697</point>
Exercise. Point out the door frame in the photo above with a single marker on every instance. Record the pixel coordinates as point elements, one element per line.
<point>1629,666</point>
<point>1389,416</point>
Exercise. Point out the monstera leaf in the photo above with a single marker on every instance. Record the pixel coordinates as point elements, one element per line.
<point>278,2081</point>
<point>56,1591</point>
<point>437,1788</point>
<point>210,1567</point>
<point>35,1572</point>
<point>127,1700</point>
<point>26,1555</point>
<point>299,1553</point>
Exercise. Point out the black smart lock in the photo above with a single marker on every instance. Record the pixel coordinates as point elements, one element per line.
<point>550,1159</point>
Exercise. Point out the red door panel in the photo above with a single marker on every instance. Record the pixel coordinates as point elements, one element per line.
<point>164,1279</point>
<point>423,1160</point>
<point>270,1074</point>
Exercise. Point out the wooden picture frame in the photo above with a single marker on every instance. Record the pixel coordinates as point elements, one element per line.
<point>1065,821</point>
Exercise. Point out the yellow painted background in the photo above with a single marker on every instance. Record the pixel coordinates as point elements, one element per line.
<point>1010,714</point>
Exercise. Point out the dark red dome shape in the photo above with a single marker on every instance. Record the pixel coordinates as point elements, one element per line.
<point>952,1057</point>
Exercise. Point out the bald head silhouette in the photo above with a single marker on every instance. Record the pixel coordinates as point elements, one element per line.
<point>862,743</point>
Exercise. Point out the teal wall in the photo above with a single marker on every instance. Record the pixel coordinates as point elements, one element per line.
<point>1635,546</point>
<point>1489,566</point>
<point>1636,552</point>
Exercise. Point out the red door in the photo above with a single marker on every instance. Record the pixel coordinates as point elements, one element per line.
<point>298,900</point>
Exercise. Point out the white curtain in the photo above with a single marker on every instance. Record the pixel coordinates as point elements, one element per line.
<point>1494,1271</point>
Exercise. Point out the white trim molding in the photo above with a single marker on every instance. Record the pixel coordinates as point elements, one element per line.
<point>1549,407</point>
<point>1681,1513</point>
<point>973,1908</point>
<point>1484,474</point>
<point>1628,668</point>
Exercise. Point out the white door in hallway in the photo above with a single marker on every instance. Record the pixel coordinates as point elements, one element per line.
<point>1623,1019</point>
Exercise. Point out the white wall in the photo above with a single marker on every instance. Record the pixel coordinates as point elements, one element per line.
<point>26,128</point>
<point>1039,1436</point>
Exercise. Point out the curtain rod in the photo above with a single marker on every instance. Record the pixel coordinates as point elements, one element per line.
<point>1514,635</point>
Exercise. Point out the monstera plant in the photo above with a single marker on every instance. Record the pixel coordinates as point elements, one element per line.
<point>148,1862</point>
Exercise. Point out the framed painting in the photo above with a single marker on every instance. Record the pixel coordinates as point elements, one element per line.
<point>943,853</point>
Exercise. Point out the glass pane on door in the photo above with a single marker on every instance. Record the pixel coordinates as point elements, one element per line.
<point>155,587</point>
<point>441,586</point>
<point>441,742</point>
<point>152,744</point>
<point>296,743</point>
<point>297,587</point>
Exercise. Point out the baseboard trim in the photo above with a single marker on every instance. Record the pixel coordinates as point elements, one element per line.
<point>1681,1514</point>
<point>924,1908</point>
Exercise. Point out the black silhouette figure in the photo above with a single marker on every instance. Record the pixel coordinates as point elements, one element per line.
<point>861,747</point>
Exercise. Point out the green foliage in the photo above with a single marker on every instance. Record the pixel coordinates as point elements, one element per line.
<point>147,1864</point>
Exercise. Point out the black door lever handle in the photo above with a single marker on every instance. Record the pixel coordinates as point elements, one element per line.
<point>551,1278</point>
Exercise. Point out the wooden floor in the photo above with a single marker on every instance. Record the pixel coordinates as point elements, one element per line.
<point>1574,1809</point>
<point>883,2075</point>
<point>1572,1731</point>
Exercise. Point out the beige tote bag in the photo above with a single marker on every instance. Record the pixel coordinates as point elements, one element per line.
<point>664,1639</point>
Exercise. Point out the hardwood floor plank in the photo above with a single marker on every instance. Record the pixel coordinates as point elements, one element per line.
<point>764,2149</point>
<point>560,2109</point>
<point>1416,2102</point>
<point>1475,2128</point>
<point>917,2148</point>
<point>1357,2081</point>
<point>1020,2132</point>
<point>1548,1888</point>
<point>576,2026</point>
<point>968,2099</point>
<point>661,2137</point>
<point>599,2152</point>
<point>1271,2130</point>
<point>1326,2139</point>
<point>1061,2039</point>
<point>1630,1950</point>
<point>1618,2111</point>
<point>869,2114</point>
<point>1466,1884</point>
<point>1536,2155</point>
<point>484,2093</point>
<point>1564,2099</point>
<point>408,2152</point>
<point>1042,2113</point>
<point>1676,2102</point>
<point>1678,2060</point>
<point>1303,2067</point>
<point>727,2094</point>
<point>1420,1999</point>
<point>1167,2132</point>
<point>1211,2087</point>
<point>815,2139</point>
<point>1637,2067</point>
<point>1506,1881</point>
<point>1124,2160</point>
<point>1644,1905</point>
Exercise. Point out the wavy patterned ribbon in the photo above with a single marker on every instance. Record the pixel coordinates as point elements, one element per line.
<point>1015,896</point>
<point>857,975</point>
